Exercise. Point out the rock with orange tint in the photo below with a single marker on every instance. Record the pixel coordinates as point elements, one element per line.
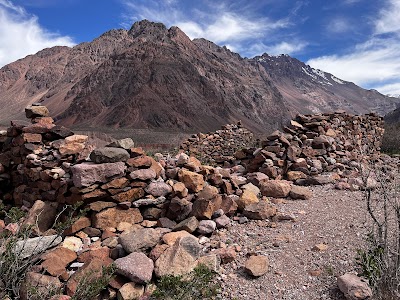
<point>56,261</point>
<point>111,217</point>
<point>193,181</point>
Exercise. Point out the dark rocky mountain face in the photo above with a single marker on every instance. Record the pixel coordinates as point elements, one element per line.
<point>154,77</point>
<point>309,90</point>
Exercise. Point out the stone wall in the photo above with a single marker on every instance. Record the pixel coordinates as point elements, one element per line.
<point>310,145</point>
<point>156,216</point>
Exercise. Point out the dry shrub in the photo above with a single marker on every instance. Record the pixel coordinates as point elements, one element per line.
<point>380,262</point>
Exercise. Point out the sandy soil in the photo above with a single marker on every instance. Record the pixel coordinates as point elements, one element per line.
<point>335,218</point>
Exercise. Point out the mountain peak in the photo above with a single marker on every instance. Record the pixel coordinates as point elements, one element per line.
<point>148,28</point>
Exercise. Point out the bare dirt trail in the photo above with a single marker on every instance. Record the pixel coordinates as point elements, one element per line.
<point>297,271</point>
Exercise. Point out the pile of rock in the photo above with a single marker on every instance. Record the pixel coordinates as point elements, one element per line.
<point>219,146</point>
<point>312,145</point>
<point>149,216</point>
<point>155,216</point>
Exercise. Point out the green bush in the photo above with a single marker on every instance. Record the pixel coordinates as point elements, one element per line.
<point>200,284</point>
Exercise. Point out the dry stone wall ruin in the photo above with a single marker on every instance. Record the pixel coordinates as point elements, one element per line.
<point>144,213</point>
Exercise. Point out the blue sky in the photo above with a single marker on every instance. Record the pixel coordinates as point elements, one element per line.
<point>356,40</point>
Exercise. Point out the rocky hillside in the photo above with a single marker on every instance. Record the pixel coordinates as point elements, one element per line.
<point>309,90</point>
<point>154,77</point>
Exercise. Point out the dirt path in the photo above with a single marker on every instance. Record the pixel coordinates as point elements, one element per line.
<point>335,218</point>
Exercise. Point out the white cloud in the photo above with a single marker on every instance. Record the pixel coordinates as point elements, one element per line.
<point>21,34</point>
<point>388,21</point>
<point>374,63</point>
<point>276,49</point>
<point>339,25</point>
<point>389,89</point>
<point>219,23</point>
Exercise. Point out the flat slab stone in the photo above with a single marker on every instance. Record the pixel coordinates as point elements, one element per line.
<point>109,155</point>
<point>85,174</point>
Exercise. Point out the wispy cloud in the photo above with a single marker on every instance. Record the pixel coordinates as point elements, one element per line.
<point>221,23</point>
<point>374,63</point>
<point>388,21</point>
<point>21,34</point>
<point>339,25</point>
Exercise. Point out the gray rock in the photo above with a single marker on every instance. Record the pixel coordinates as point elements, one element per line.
<point>189,225</point>
<point>143,174</point>
<point>85,174</point>
<point>33,246</point>
<point>136,266</point>
<point>126,143</point>
<point>222,221</point>
<point>109,155</point>
<point>158,189</point>
<point>179,259</point>
<point>140,240</point>
<point>36,111</point>
<point>207,226</point>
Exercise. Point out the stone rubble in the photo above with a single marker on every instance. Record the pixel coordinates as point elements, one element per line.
<point>156,217</point>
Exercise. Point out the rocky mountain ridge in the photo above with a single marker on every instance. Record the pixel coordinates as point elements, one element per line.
<point>154,77</point>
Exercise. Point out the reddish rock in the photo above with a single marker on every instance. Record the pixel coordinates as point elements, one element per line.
<point>193,181</point>
<point>299,192</point>
<point>354,287</point>
<point>275,188</point>
<point>226,255</point>
<point>42,214</point>
<point>92,269</point>
<point>256,265</point>
<point>171,237</point>
<point>40,282</point>
<point>248,197</point>
<point>143,174</point>
<point>111,217</point>
<point>117,183</point>
<point>78,225</point>
<point>260,211</point>
<point>57,260</point>
<point>203,208</point>
<point>139,162</point>
<point>102,253</point>
<point>130,195</point>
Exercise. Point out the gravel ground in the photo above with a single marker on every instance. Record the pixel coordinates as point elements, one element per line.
<point>335,218</point>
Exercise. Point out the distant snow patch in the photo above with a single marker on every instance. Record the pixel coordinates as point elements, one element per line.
<point>334,78</point>
<point>320,73</point>
<point>308,73</point>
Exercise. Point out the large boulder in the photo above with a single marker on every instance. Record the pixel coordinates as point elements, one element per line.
<point>140,240</point>
<point>136,266</point>
<point>179,259</point>
<point>260,211</point>
<point>354,287</point>
<point>113,216</point>
<point>275,188</point>
<point>86,174</point>
<point>35,111</point>
<point>37,245</point>
<point>109,155</point>
<point>193,181</point>
<point>256,265</point>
